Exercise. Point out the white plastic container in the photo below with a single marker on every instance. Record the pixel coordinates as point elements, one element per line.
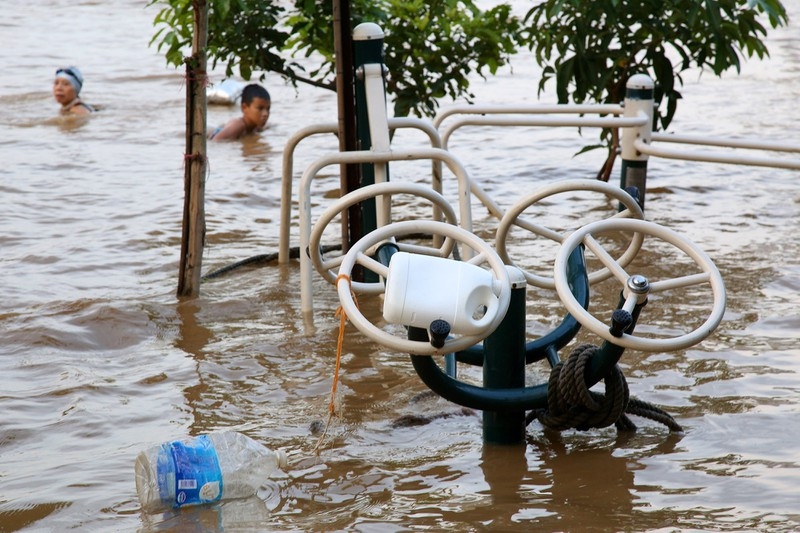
<point>421,289</point>
<point>203,469</point>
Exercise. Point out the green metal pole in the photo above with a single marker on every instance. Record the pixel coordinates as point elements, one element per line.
<point>367,49</point>
<point>504,366</point>
<point>638,100</point>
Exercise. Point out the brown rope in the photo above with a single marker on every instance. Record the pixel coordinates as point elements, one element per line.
<point>570,403</point>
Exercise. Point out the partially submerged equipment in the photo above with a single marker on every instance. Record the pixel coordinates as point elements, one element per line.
<point>455,295</point>
<point>452,297</point>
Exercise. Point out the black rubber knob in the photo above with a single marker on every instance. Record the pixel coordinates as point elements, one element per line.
<point>620,321</point>
<point>440,329</point>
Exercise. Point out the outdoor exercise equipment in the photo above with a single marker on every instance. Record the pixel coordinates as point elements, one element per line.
<point>462,300</point>
<point>636,287</point>
<point>512,218</point>
<point>492,292</point>
<point>477,317</point>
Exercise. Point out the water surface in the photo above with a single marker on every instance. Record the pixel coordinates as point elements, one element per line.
<point>100,359</point>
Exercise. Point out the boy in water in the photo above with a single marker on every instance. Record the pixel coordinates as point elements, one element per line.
<point>66,87</point>
<point>255,113</point>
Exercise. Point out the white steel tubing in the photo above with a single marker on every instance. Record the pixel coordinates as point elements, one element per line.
<point>716,157</point>
<point>375,95</point>
<point>529,109</point>
<point>367,156</point>
<point>286,181</point>
<point>599,122</point>
<point>730,143</point>
<point>332,127</point>
<point>604,122</point>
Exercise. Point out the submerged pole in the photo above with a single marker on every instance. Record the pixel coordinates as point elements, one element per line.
<point>504,366</point>
<point>195,161</point>
<point>638,100</point>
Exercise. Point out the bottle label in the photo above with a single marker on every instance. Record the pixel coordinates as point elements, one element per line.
<point>197,475</point>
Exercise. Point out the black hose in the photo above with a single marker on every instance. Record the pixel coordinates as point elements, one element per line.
<point>265,259</point>
<point>261,260</point>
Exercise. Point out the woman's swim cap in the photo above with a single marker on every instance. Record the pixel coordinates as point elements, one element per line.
<point>72,75</point>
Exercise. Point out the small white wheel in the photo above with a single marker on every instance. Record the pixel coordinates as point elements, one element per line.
<point>484,254</point>
<point>327,267</point>
<point>512,218</point>
<point>637,287</point>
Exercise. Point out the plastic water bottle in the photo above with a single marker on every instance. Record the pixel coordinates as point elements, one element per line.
<point>204,469</point>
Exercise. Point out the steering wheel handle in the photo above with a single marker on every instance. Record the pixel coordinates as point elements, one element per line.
<point>474,333</point>
<point>512,218</point>
<point>327,267</point>
<point>636,287</point>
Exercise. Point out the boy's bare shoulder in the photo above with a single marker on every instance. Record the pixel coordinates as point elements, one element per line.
<point>234,129</point>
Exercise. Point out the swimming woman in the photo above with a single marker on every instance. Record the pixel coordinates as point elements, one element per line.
<point>66,88</point>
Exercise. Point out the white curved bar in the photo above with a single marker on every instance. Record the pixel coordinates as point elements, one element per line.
<point>632,341</point>
<point>286,182</point>
<point>511,218</point>
<point>529,109</point>
<point>581,122</point>
<point>716,157</point>
<point>333,127</point>
<point>368,156</point>
<point>751,144</point>
<point>359,195</point>
<point>414,226</point>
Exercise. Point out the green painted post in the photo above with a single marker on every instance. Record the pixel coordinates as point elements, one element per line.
<point>367,49</point>
<point>638,100</point>
<point>504,366</point>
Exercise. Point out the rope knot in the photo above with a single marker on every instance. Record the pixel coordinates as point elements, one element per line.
<point>570,403</point>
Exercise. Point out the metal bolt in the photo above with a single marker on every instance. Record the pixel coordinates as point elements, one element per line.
<point>638,284</point>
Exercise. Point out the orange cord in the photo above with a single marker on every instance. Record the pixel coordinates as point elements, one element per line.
<point>340,341</point>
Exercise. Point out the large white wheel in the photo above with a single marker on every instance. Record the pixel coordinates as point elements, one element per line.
<point>637,286</point>
<point>512,218</point>
<point>484,254</point>
<point>327,267</point>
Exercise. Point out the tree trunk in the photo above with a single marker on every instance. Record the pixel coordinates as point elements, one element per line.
<point>195,161</point>
<point>605,171</point>
<point>349,174</point>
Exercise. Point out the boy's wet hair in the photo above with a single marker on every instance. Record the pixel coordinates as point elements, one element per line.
<point>254,90</point>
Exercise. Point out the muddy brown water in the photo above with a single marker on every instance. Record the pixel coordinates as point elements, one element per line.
<point>99,359</point>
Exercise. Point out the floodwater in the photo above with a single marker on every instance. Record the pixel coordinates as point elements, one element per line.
<point>100,359</point>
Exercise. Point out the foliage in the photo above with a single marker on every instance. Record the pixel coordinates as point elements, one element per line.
<point>591,48</point>
<point>243,33</point>
<point>431,47</point>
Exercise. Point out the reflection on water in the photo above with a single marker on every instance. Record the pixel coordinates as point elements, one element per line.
<point>100,359</point>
